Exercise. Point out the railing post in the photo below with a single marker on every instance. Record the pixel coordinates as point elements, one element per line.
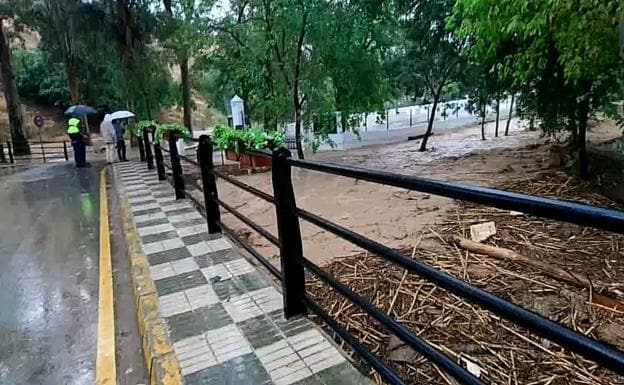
<point>65,151</point>
<point>160,165</point>
<point>148,150</point>
<point>11,159</point>
<point>209,184</point>
<point>176,167</point>
<point>141,149</point>
<point>291,249</point>
<point>42,152</point>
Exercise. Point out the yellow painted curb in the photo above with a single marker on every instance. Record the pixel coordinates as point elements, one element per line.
<point>105,365</point>
<point>162,365</point>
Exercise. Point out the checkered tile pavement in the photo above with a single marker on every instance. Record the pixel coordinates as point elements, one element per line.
<point>225,317</point>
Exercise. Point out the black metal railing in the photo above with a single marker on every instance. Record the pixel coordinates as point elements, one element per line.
<point>44,151</point>
<point>294,264</point>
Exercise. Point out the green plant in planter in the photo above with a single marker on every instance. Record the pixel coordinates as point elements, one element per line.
<point>227,138</point>
<point>259,139</point>
<point>144,124</point>
<point>175,128</point>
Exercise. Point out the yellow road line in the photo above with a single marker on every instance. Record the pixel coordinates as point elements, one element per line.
<point>105,371</point>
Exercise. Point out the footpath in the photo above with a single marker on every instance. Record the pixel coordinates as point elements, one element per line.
<point>223,317</point>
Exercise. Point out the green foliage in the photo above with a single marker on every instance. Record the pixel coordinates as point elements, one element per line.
<point>39,80</point>
<point>163,130</point>
<point>112,67</point>
<point>557,52</point>
<point>277,56</point>
<point>227,138</point>
<point>259,139</point>
<point>143,124</point>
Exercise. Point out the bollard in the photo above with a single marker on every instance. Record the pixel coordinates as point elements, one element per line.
<point>148,150</point>
<point>10,148</point>
<point>209,184</point>
<point>2,156</point>
<point>291,249</point>
<point>387,120</point>
<point>42,152</point>
<point>141,149</point>
<point>160,165</point>
<point>410,117</point>
<point>65,151</point>
<point>176,167</point>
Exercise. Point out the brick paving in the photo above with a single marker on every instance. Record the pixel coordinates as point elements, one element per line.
<point>224,316</point>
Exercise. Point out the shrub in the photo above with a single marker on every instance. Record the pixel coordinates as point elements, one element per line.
<point>227,138</point>
<point>177,128</point>
<point>143,124</point>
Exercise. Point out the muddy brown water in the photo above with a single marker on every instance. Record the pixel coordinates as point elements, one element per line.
<point>386,214</point>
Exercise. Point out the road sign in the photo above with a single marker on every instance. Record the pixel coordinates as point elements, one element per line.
<point>38,120</point>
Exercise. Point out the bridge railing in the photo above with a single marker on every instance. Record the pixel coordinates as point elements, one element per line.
<point>44,151</point>
<point>294,264</point>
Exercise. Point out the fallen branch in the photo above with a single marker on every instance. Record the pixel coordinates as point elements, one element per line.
<point>574,279</point>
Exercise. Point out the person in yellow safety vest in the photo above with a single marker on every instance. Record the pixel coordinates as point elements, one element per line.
<point>78,142</point>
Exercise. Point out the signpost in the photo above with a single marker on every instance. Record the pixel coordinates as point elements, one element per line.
<point>38,120</point>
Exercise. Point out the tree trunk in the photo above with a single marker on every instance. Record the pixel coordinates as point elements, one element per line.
<point>148,106</point>
<point>511,104</point>
<point>483,126</point>
<point>497,116</point>
<point>297,100</point>
<point>300,154</point>
<point>11,96</point>
<point>167,4</point>
<point>582,135</point>
<point>423,144</point>
<point>186,91</point>
<point>73,84</point>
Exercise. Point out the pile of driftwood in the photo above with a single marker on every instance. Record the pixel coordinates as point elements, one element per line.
<point>569,274</point>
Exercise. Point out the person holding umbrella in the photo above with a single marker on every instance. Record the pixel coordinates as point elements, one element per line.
<point>79,137</point>
<point>121,142</point>
<point>108,133</point>
<point>116,118</point>
<point>78,142</point>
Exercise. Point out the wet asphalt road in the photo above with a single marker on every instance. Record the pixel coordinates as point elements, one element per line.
<point>48,274</point>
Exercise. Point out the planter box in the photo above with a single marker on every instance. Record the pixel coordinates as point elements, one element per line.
<point>249,159</point>
<point>231,155</point>
<point>259,160</point>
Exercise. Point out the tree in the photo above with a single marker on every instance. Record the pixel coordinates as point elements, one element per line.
<point>114,66</point>
<point>511,107</point>
<point>276,55</point>
<point>431,52</point>
<point>39,80</point>
<point>483,84</point>
<point>58,24</point>
<point>185,36</point>
<point>564,52</point>
<point>11,96</point>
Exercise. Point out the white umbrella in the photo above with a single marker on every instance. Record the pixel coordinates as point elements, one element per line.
<point>119,115</point>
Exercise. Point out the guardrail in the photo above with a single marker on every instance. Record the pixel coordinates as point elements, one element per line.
<point>39,151</point>
<point>294,264</point>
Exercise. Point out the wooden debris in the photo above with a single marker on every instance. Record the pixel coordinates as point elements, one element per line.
<point>505,353</point>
